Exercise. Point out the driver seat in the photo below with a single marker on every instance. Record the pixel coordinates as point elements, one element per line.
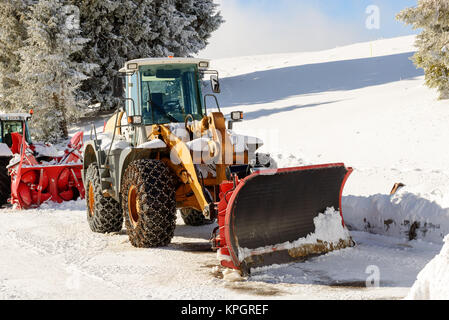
<point>8,139</point>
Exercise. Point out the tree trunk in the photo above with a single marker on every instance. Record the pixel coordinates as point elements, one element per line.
<point>62,123</point>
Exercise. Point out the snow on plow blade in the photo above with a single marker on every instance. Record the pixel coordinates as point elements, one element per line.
<point>284,215</point>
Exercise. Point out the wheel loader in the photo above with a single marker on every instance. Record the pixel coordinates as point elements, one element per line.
<point>167,148</point>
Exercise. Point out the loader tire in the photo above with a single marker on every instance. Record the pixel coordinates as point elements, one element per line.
<point>149,203</point>
<point>192,217</point>
<point>5,181</point>
<point>103,213</point>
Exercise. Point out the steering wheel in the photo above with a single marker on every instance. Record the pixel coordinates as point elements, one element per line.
<point>174,104</point>
<point>162,110</point>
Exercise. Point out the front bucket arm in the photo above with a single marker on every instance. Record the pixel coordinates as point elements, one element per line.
<point>183,165</point>
<point>269,210</point>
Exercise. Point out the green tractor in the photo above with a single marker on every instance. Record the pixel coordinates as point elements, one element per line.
<point>10,123</point>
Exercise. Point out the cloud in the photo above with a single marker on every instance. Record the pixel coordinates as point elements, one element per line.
<point>264,27</point>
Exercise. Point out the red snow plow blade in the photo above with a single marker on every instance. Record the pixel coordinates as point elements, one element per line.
<point>33,182</point>
<point>273,217</point>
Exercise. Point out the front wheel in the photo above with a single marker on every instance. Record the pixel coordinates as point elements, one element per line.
<point>149,203</point>
<point>103,213</point>
<point>5,181</point>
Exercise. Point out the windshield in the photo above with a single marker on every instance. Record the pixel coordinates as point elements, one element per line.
<point>8,127</point>
<point>170,93</point>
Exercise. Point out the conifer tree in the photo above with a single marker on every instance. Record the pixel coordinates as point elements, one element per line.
<point>47,72</point>
<point>432,16</point>
<point>55,69</point>
<point>12,36</point>
<point>130,29</point>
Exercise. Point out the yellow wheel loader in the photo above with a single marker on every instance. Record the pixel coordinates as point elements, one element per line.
<point>164,150</point>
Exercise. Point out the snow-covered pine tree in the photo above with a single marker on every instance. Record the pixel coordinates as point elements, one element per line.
<point>97,18</point>
<point>119,31</point>
<point>130,29</point>
<point>12,35</point>
<point>206,19</point>
<point>47,71</point>
<point>432,16</point>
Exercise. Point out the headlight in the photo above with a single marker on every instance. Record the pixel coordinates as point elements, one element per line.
<point>135,120</point>
<point>237,115</point>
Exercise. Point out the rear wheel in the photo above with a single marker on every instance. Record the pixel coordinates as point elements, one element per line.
<point>5,181</point>
<point>192,217</point>
<point>103,213</point>
<point>149,203</point>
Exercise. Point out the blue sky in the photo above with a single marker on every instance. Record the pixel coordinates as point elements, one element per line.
<point>276,26</point>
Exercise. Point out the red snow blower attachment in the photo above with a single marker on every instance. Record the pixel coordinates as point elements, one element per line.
<point>57,179</point>
<point>279,216</point>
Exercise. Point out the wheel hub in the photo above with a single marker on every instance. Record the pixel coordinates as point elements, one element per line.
<point>91,200</point>
<point>133,206</point>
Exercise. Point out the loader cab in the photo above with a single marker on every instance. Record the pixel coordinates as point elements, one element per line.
<point>169,93</point>
<point>164,91</point>
<point>13,123</point>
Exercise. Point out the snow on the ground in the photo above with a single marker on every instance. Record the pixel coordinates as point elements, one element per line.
<point>433,280</point>
<point>50,253</point>
<point>365,105</point>
<point>396,262</point>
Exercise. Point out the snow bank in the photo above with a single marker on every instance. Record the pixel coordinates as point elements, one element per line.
<point>433,281</point>
<point>328,228</point>
<point>406,214</point>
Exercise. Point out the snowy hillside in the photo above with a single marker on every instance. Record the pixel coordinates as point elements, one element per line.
<point>364,104</point>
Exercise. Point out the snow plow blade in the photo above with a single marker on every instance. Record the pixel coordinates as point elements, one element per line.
<point>272,217</point>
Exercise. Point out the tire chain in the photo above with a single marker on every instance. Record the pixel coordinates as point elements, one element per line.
<point>193,217</point>
<point>107,212</point>
<point>156,194</point>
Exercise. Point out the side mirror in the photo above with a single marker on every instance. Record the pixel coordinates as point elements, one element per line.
<point>215,84</point>
<point>117,87</point>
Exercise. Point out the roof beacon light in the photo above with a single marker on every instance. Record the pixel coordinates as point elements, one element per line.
<point>204,64</point>
<point>132,66</point>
